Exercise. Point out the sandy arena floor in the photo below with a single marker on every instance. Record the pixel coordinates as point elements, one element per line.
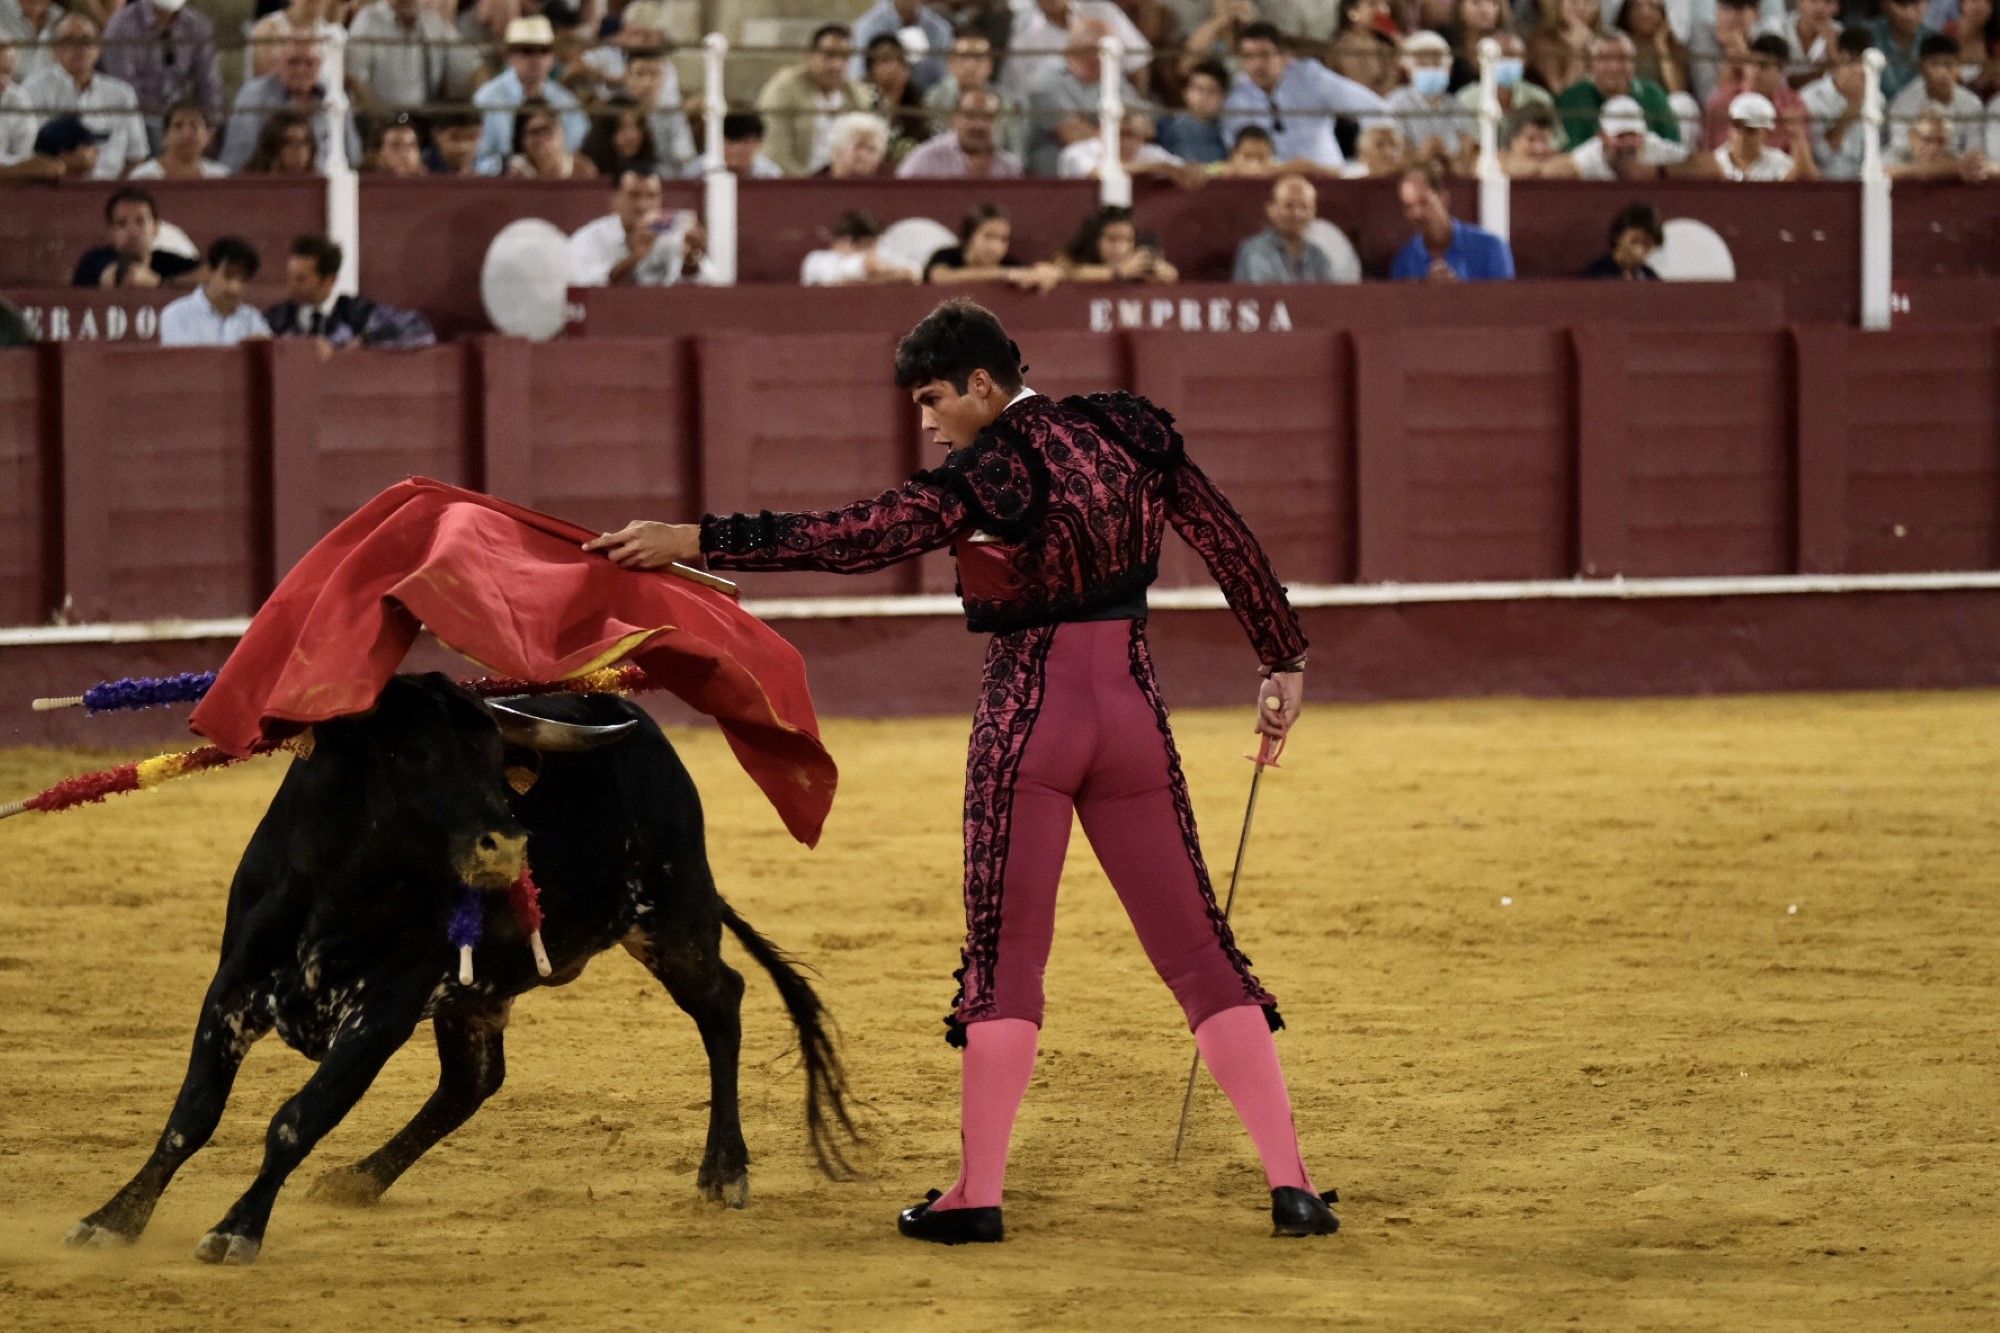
<point>1644,1094</point>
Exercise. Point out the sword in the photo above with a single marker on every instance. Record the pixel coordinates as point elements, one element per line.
<point>1266,757</point>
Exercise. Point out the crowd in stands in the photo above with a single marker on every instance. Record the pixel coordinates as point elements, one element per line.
<point>1298,92</point>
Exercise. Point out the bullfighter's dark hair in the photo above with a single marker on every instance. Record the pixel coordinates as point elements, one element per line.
<point>954,340</point>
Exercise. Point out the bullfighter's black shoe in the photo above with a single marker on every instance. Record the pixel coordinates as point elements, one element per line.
<point>952,1226</point>
<point>1295,1212</point>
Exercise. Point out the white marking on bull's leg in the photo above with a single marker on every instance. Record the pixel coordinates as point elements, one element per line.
<point>176,1141</point>
<point>288,1135</point>
<point>90,1236</point>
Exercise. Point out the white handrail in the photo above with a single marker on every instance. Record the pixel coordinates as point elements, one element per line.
<point>343,183</point>
<point>718,204</point>
<point>1114,185</point>
<point>1495,191</point>
<point>1876,255</point>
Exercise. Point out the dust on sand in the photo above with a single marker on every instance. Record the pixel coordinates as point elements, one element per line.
<point>1645,1093</point>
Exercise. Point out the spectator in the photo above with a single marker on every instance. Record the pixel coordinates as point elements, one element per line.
<point>1381,151</point>
<point>312,20</point>
<point>1832,105</point>
<point>406,55</point>
<point>1760,69</point>
<point>968,149</point>
<point>1561,51</point>
<point>858,145</point>
<point>1212,31</point>
<point>398,151</point>
<point>31,26</point>
<point>284,147</point>
<point>1084,159</point>
<point>1296,101</point>
<point>65,149</point>
<point>108,106</point>
<point>1899,36</point>
<point>1533,148</point>
<point>1936,88</point>
<point>1636,232</point>
<point>530,61</point>
<point>1510,85</point>
<point>132,258</point>
<point>1424,108</point>
<point>1444,249</point>
<point>1812,35</point>
<point>454,148</point>
<point>1281,252</point>
<point>1045,28</point>
<point>17,114</point>
<point>1364,47</point>
<point>890,18</point>
<point>184,151</point>
<point>1625,148</point>
<point>991,19</point>
<point>742,150</point>
<point>800,104</point>
<point>215,313</point>
<point>896,97</point>
<point>1253,153</point>
<point>638,244</point>
<point>312,309</point>
<point>1658,55</point>
<point>1749,156</point>
<point>1195,134</point>
<point>653,84</point>
<point>1062,103</point>
<point>620,139</point>
<point>1612,74</point>
<point>985,253</point>
<point>295,87</point>
<point>1977,31</point>
<point>1472,21</point>
<point>971,70</point>
<point>165,49</point>
<point>539,152</point>
<point>851,261</point>
<point>1724,36</point>
<point>1107,248</point>
<point>1927,154</point>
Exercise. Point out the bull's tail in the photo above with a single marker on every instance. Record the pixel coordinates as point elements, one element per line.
<point>829,1125</point>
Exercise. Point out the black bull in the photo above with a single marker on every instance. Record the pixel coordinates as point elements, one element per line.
<point>337,933</point>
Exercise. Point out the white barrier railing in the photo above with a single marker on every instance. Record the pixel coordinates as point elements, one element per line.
<point>718,204</point>
<point>1114,183</point>
<point>1875,248</point>
<point>1495,190</point>
<point>343,182</point>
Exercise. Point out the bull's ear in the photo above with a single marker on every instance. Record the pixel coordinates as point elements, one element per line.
<point>548,737</point>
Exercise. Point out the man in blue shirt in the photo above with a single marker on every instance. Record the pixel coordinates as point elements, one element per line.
<point>1444,249</point>
<point>531,59</point>
<point>215,313</point>
<point>1294,100</point>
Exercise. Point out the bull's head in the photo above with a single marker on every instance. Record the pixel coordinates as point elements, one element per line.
<point>430,759</point>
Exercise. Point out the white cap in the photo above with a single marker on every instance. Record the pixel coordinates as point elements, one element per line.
<point>1753,110</point>
<point>1425,42</point>
<point>1621,115</point>
<point>535,31</point>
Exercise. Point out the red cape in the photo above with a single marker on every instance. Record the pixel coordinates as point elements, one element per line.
<point>510,589</point>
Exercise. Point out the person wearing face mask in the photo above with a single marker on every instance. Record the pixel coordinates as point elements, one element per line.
<point>1423,107</point>
<point>166,50</point>
<point>1472,21</point>
<point>1515,92</point>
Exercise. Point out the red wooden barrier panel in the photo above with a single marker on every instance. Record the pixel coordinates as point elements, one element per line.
<point>30,504</point>
<point>344,426</point>
<point>1899,449</point>
<point>164,492</point>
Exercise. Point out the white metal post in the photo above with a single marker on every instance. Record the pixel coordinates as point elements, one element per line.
<point>718,182</point>
<point>343,183</point>
<point>1114,186</point>
<point>1495,190</point>
<point>1875,252</point>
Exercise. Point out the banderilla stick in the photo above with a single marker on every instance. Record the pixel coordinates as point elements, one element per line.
<point>1266,756</point>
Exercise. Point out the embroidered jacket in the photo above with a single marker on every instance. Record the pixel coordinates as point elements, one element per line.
<point>1055,512</point>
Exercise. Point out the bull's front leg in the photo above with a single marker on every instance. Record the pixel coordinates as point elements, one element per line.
<point>376,1030</point>
<point>232,1017</point>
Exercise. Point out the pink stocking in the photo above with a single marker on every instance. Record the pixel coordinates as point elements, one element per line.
<point>999,1060</point>
<point>1236,1044</point>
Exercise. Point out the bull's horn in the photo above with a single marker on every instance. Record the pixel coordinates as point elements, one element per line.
<point>548,737</point>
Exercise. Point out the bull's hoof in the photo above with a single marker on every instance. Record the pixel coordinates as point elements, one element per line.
<point>348,1186</point>
<point>735,1192</point>
<point>94,1236</point>
<point>219,1247</point>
